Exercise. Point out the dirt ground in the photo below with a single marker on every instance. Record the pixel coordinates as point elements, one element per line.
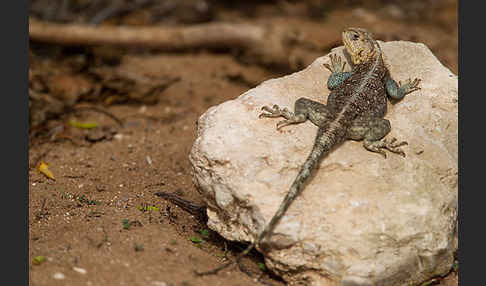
<point>100,221</point>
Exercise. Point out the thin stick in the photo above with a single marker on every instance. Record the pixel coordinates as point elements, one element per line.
<point>165,38</point>
<point>270,45</point>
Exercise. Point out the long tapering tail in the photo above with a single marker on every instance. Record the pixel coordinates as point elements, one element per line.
<point>322,145</point>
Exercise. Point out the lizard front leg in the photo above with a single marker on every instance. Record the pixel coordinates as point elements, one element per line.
<point>304,108</point>
<point>372,132</point>
<point>338,75</point>
<point>398,91</point>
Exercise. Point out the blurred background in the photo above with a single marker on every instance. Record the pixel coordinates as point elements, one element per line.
<point>295,33</point>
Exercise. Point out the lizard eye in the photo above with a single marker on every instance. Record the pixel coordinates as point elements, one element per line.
<point>355,37</point>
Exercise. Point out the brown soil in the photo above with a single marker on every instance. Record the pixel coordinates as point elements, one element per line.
<point>91,216</point>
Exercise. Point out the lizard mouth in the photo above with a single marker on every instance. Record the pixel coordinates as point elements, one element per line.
<point>356,44</point>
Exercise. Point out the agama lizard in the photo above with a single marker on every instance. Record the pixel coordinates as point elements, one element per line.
<point>355,110</point>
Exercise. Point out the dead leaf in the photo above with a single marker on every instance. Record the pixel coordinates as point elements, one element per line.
<point>43,168</point>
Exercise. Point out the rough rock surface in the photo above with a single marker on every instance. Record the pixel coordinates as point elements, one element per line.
<point>362,219</point>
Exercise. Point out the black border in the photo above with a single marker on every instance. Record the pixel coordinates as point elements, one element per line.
<point>471,90</point>
<point>15,127</point>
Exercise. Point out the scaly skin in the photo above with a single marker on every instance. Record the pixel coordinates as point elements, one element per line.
<point>355,110</point>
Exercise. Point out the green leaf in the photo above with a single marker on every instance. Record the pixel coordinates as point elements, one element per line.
<point>148,208</point>
<point>38,260</point>
<point>262,266</point>
<point>455,265</point>
<point>195,239</point>
<point>204,233</point>
<point>84,200</point>
<point>83,125</point>
<point>126,224</point>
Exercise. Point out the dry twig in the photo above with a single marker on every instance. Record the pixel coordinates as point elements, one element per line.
<point>268,45</point>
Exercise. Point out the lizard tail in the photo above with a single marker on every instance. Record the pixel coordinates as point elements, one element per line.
<point>322,145</point>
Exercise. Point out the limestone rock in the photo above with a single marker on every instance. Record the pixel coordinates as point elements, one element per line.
<point>362,219</point>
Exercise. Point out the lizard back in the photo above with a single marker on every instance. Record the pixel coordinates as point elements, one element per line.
<point>363,93</point>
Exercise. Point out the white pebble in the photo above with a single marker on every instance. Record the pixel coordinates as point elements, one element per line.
<point>58,276</point>
<point>118,136</point>
<point>80,270</point>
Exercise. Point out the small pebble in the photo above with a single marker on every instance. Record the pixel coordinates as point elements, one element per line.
<point>58,276</point>
<point>118,136</point>
<point>80,270</point>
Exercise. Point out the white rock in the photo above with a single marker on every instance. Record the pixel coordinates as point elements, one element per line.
<point>362,219</point>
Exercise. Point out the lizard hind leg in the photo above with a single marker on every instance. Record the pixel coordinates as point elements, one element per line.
<point>276,111</point>
<point>305,108</point>
<point>372,132</point>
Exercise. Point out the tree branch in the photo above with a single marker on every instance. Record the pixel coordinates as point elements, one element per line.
<point>267,45</point>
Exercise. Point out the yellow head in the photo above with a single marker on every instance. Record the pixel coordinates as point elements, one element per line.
<point>359,44</point>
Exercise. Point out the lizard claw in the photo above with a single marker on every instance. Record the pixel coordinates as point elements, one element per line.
<point>276,111</point>
<point>272,112</point>
<point>410,86</point>
<point>378,146</point>
<point>337,65</point>
<point>394,147</point>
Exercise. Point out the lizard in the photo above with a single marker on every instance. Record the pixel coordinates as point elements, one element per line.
<point>355,110</point>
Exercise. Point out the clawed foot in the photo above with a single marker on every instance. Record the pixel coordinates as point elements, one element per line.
<point>337,65</point>
<point>276,111</point>
<point>378,146</point>
<point>409,86</point>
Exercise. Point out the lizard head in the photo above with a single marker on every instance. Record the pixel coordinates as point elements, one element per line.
<point>359,44</point>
